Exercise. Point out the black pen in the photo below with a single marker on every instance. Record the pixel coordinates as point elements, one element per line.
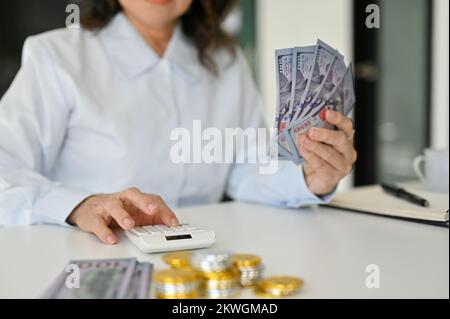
<point>403,194</point>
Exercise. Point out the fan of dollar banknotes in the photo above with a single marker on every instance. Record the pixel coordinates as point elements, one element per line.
<point>310,80</point>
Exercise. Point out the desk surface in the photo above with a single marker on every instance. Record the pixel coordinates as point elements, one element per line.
<point>329,248</point>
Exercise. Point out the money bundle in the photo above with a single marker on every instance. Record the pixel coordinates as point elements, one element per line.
<point>102,279</point>
<point>220,274</point>
<point>310,80</point>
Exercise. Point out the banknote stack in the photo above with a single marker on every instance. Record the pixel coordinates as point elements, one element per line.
<point>310,80</point>
<point>219,274</point>
<point>102,279</point>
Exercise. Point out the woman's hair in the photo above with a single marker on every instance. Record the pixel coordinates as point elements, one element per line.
<point>202,24</point>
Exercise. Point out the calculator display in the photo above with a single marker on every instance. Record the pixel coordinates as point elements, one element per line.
<point>178,237</point>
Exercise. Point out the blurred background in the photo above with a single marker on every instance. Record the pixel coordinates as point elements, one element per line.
<point>401,69</point>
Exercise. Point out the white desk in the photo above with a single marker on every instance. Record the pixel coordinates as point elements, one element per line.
<point>330,249</point>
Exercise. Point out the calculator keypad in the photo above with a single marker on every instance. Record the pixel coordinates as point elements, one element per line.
<point>162,229</point>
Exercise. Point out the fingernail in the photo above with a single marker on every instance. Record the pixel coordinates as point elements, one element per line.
<point>323,114</point>
<point>302,139</point>
<point>111,239</point>
<point>331,115</point>
<point>173,222</point>
<point>314,133</point>
<point>306,142</point>
<point>127,222</point>
<point>151,208</point>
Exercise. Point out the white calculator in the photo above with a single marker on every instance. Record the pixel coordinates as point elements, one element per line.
<point>160,238</point>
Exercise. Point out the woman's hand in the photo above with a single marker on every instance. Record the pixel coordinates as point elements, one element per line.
<point>127,209</point>
<point>329,155</point>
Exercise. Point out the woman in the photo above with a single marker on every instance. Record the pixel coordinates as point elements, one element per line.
<point>85,126</point>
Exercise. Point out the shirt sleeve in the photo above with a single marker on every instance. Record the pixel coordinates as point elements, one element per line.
<point>33,120</point>
<point>266,180</point>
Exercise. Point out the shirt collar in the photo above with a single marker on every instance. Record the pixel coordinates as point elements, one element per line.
<point>132,56</point>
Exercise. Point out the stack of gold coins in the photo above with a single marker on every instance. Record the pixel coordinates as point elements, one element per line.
<point>177,284</point>
<point>178,259</point>
<point>279,286</point>
<point>221,284</point>
<point>220,278</point>
<point>250,268</point>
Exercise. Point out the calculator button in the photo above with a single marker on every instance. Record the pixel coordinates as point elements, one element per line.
<point>133,232</point>
<point>151,230</point>
<point>159,228</point>
<point>139,230</point>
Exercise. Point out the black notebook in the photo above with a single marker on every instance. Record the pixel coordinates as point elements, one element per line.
<point>373,200</point>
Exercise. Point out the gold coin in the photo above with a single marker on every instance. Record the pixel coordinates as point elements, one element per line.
<point>248,283</point>
<point>192,295</point>
<point>246,260</point>
<point>178,259</point>
<point>229,274</point>
<point>222,294</point>
<point>280,285</point>
<point>221,284</point>
<point>176,276</point>
<point>197,273</point>
<point>261,293</point>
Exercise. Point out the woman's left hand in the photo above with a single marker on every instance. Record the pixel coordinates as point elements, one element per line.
<point>329,155</point>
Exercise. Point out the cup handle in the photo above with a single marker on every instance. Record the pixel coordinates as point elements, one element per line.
<point>416,164</point>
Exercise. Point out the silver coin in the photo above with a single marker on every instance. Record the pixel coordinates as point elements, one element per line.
<point>178,288</point>
<point>212,260</point>
<point>221,293</point>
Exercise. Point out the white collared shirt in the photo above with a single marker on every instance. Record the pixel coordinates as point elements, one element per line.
<point>92,112</point>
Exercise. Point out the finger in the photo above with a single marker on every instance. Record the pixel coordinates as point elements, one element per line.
<point>142,201</point>
<point>328,154</point>
<point>338,139</point>
<point>335,138</point>
<point>103,232</point>
<point>164,214</point>
<point>313,161</point>
<point>317,163</point>
<point>342,122</point>
<point>120,215</point>
<point>152,205</point>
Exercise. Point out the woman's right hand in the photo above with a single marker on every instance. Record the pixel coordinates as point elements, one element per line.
<point>99,213</point>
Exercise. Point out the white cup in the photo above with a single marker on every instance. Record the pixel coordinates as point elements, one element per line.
<point>435,172</point>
